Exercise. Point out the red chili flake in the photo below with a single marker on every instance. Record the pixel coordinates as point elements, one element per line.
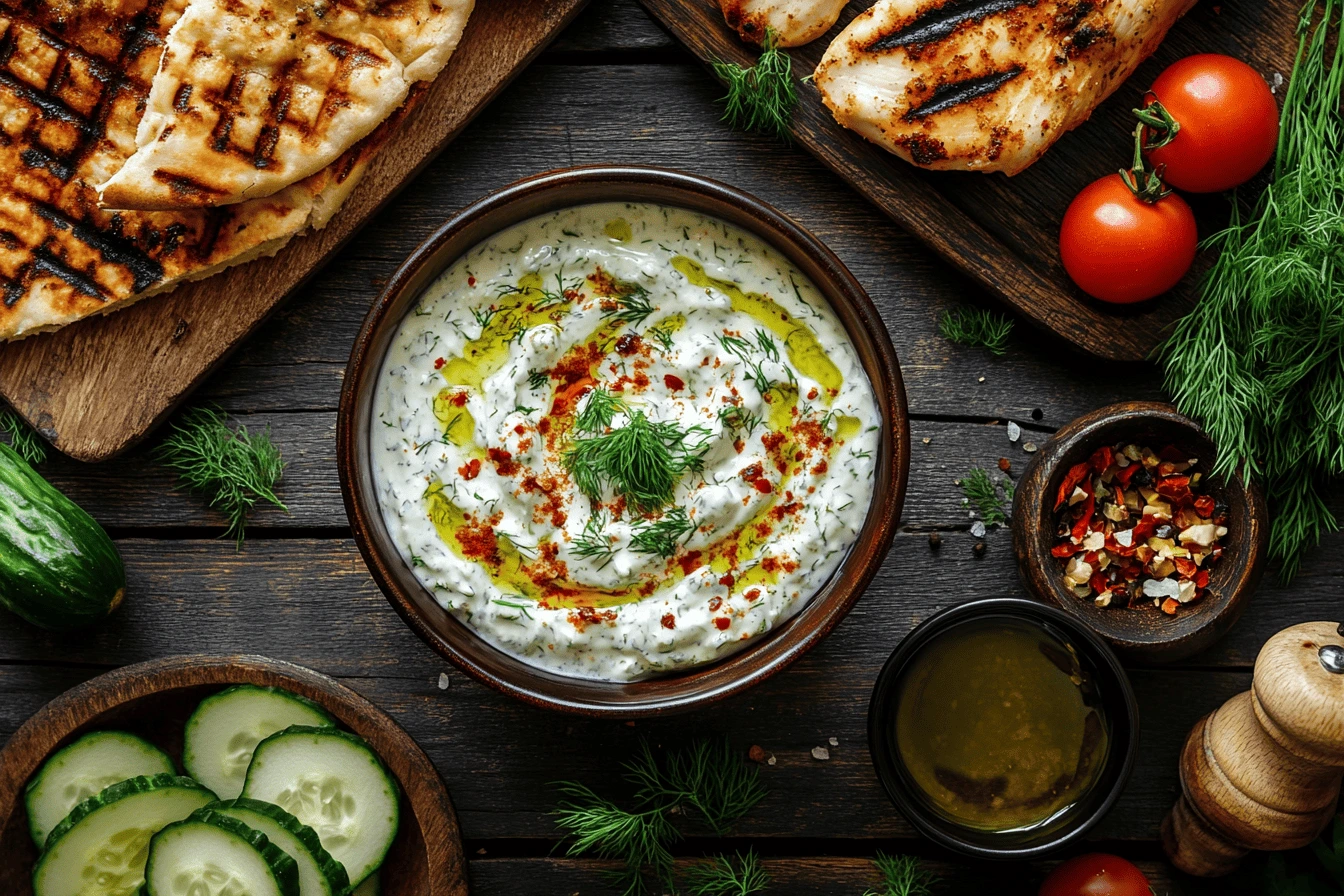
<point>1098,582</point>
<point>628,344</point>
<point>459,399</point>
<point>1065,550</point>
<point>714,604</point>
<point>504,463</point>
<point>1170,606</point>
<point>1173,487</point>
<point>1080,527</point>
<point>1204,506</point>
<point>762,485</point>
<point>726,580</point>
<point>438,363</point>
<point>1202,579</point>
<point>820,468</point>
<point>471,281</point>
<point>669,621</point>
<point>689,562</point>
<point>1071,481</point>
<point>674,383</point>
<point>753,594</point>
<point>1102,458</point>
<point>1005,464</point>
<point>751,471</point>
<point>470,470</point>
<point>722,623</point>
<point>1185,567</point>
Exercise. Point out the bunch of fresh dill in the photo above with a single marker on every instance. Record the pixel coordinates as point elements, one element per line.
<point>26,443</point>
<point>763,97</point>
<point>708,779</point>
<point>1260,360</point>
<point>976,327</point>
<point>988,497</point>
<point>231,467</point>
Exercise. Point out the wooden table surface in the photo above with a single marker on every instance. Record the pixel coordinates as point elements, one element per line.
<point>615,88</point>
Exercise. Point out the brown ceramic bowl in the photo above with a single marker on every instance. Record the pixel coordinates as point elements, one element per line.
<point>1144,633</point>
<point>154,699</point>
<point>540,195</point>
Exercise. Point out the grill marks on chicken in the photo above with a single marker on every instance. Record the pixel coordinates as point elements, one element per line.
<point>985,85</point>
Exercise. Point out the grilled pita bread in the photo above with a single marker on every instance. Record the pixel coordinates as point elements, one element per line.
<point>70,91</point>
<point>252,96</point>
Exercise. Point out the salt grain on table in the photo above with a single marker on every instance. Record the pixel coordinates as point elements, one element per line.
<point>821,753</point>
<point>978,529</point>
<point>1014,431</point>
<point>835,741</point>
<point>443,681</point>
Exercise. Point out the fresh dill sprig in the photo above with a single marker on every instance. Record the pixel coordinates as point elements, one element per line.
<point>662,336</point>
<point>661,536</point>
<point>721,876</point>
<point>631,307</point>
<point>549,297</point>
<point>986,496</point>
<point>1259,362</point>
<point>902,876</point>
<point>709,777</point>
<point>746,352</point>
<point>763,97</point>
<point>484,315</point>
<point>600,407</point>
<point>232,467</point>
<point>594,542</point>
<point>977,328</point>
<point>538,379</point>
<point>641,460</point>
<point>25,441</point>
<point>768,346</point>
<point>738,419</point>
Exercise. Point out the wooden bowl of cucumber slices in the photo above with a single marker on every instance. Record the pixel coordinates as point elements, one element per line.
<point>180,775</point>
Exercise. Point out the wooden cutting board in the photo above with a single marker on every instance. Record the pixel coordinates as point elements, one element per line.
<point>97,387</point>
<point>1003,231</point>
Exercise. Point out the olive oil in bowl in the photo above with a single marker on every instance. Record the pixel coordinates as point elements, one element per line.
<point>999,726</point>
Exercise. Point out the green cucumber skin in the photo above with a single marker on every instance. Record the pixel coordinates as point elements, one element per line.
<point>333,870</point>
<point>58,568</point>
<point>283,868</point>
<point>54,757</point>
<point>111,795</point>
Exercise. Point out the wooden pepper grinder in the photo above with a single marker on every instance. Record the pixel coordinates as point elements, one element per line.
<point>1264,770</point>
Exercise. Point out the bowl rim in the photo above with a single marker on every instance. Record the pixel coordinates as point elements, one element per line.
<point>570,187</point>
<point>1234,578</point>
<point>424,794</point>
<point>881,705</point>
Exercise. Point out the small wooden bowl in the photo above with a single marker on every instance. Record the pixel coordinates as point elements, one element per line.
<point>1143,634</point>
<point>457,642</point>
<point>154,700</point>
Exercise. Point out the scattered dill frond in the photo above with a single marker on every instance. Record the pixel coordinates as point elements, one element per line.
<point>1259,362</point>
<point>986,496</point>
<point>631,307</point>
<point>746,352</point>
<point>484,315</point>
<point>721,876</point>
<point>763,97</point>
<point>902,876</point>
<point>641,460</point>
<point>25,441</point>
<point>549,297</point>
<point>977,328</point>
<point>767,344</point>
<point>640,837</point>
<point>600,407</point>
<point>538,379</point>
<point>662,336</point>
<point>600,827</point>
<point>232,467</point>
<point>594,542</point>
<point>661,536</point>
<point>738,419</point>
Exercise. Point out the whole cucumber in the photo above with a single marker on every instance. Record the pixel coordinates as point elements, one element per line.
<point>58,568</point>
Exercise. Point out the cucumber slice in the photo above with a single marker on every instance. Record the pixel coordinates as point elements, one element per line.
<point>224,730</point>
<point>319,873</point>
<point>333,782</point>
<point>84,769</point>
<point>213,855</point>
<point>372,886</point>
<point>101,846</point>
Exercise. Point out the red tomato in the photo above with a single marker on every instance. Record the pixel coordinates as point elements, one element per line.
<point>1096,874</point>
<point>1229,123</point>
<point>1118,248</point>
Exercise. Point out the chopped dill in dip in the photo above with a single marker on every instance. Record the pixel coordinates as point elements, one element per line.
<point>621,440</point>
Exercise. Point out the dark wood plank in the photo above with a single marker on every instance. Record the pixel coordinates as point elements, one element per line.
<point>1003,232</point>
<point>821,876</point>
<point>500,757</point>
<point>99,385</point>
<point>613,26</point>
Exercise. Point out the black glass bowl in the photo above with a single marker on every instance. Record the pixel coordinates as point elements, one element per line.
<point>1119,707</point>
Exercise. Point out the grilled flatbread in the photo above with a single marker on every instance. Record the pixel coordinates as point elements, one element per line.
<point>253,95</point>
<point>70,91</point>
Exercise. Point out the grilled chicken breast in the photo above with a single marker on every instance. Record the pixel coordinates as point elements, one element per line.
<point>984,85</point>
<point>795,21</point>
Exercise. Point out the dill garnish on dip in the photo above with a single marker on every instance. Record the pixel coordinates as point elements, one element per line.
<point>623,439</point>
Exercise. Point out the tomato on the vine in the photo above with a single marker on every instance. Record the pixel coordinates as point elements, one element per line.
<point>1096,874</point>
<point>1121,248</point>
<point>1228,123</point>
